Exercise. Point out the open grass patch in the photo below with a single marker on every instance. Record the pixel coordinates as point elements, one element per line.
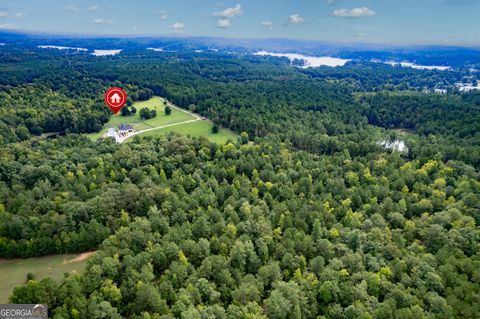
<point>155,103</point>
<point>13,272</point>
<point>196,129</point>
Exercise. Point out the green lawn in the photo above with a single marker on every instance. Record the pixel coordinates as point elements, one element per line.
<point>14,272</point>
<point>138,124</point>
<point>196,129</point>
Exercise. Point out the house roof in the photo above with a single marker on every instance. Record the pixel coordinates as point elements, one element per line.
<point>125,127</point>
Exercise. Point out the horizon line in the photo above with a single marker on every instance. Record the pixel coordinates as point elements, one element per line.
<point>385,45</point>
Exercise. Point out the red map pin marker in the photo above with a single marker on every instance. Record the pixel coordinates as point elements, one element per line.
<point>115,99</point>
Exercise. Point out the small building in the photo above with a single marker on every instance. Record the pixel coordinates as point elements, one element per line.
<point>125,128</point>
<point>112,133</point>
<point>441,91</point>
<point>120,134</point>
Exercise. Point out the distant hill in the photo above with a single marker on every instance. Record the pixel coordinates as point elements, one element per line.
<point>425,55</point>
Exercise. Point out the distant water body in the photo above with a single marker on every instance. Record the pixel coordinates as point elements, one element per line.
<point>396,145</point>
<point>416,66</point>
<point>58,47</point>
<point>95,52</point>
<point>105,52</point>
<point>313,61</point>
<point>310,61</point>
<point>467,87</point>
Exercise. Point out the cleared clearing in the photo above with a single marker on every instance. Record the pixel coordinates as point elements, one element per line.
<point>180,121</point>
<point>13,272</point>
<point>155,103</point>
<point>196,129</point>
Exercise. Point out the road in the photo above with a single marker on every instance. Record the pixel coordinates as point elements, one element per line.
<point>196,116</point>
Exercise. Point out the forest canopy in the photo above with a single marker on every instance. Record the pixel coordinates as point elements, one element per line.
<point>305,215</point>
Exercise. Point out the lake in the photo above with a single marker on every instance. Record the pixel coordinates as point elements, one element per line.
<point>417,66</point>
<point>467,87</point>
<point>59,47</point>
<point>105,52</point>
<point>310,61</point>
<point>396,145</point>
<point>95,52</point>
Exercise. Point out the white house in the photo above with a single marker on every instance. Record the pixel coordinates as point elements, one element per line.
<point>125,128</point>
<point>120,134</point>
<point>112,133</point>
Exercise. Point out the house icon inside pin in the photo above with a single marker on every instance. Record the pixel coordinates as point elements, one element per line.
<point>115,98</point>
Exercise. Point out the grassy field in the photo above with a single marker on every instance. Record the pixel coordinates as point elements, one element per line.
<point>14,272</point>
<point>155,103</point>
<point>196,129</point>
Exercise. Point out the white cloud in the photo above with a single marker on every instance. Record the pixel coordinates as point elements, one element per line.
<point>229,12</point>
<point>163,15</point>
<point>223,23</point>
<point>330,2</point>
<point>295,19</point>
<point>354,13</point>
<point>71,7</point>
<point>267,24</point>
<point>178,26</point>
<point>103,21</point>
<point>4,14</point>
<point>93,8</point>
<point>7,26</point>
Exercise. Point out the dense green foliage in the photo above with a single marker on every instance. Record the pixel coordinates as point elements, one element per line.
<point>306,215</point>
<point>444,115</point>
<point>168,110</point>
<point>32,110</point>
<point>448,126</point>
<point>146,113</point>
<point>233,227</point>
<point>378,77</point>
<point>29,110</point>
<point>128,110</point>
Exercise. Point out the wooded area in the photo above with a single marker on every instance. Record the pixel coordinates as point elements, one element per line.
<point>314,219</point>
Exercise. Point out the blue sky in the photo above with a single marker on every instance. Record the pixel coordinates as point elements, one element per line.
<point>379,21</point>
